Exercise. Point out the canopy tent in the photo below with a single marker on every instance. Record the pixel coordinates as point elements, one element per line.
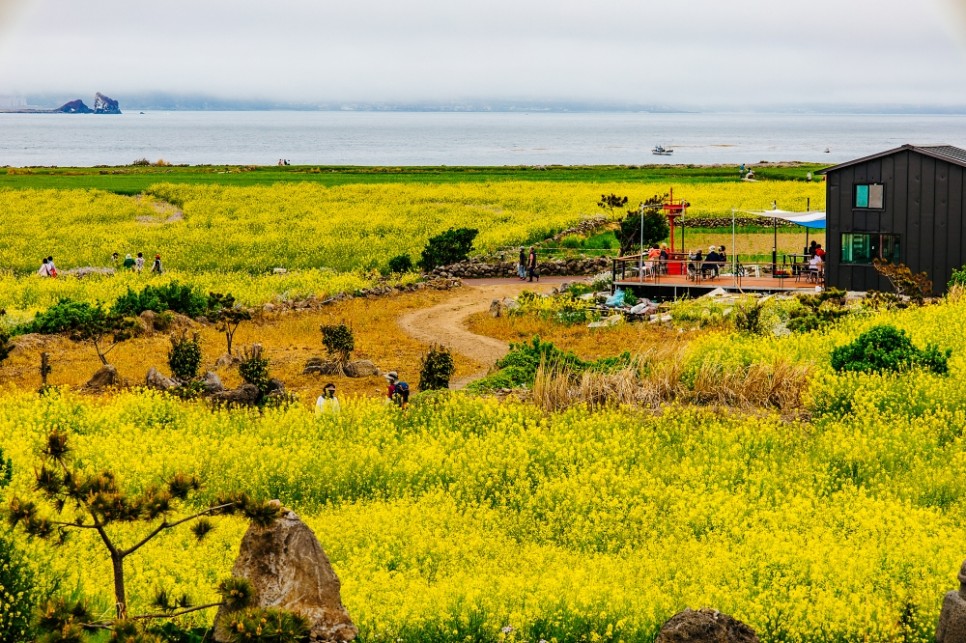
<point>804,219</point>
<point>808,220</point>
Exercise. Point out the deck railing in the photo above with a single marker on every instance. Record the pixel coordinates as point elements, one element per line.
<point>793,273</point>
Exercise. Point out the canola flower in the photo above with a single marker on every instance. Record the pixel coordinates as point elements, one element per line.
<point>465,517</point>
<point>228,234</point>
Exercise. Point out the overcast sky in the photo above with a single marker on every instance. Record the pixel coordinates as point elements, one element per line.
<point>675,52</point>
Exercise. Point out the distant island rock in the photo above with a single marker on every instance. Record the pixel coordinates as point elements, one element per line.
<point>105,104</point>
<point>102,105</point>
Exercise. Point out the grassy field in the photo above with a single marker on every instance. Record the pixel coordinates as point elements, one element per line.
<point>132,180</point>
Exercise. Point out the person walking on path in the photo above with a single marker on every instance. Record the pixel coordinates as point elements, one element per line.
<point>328,403</point>
<point>139,262</point>
<point>128,262</point>
<point>522,264</point>
<point>532,264</point>
<point>156,266</point>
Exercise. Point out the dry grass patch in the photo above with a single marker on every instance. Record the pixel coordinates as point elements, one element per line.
<point>289,339</point>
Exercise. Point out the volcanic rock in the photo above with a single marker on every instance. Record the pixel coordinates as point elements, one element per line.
<point>105,377</point>
<point>288,570</point>
<point>74,107</point>
<point>705,626</point>
<point>321,366</point>
<point>952,619</point>
<point>361,368</point>
<point>157,381</point>
<point>105,105</point>
<point>212,383</point>
<point>245,395</point>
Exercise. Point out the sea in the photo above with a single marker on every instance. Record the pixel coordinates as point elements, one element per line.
<point>366,138</point>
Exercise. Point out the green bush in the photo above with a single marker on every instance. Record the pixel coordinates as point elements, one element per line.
<point>184,358</point>
<point>437,369</point>
<point>451,246</point>
<point>65,316</point>
<point>178,298</point>
<point>519,367</point>
<point>958,278</point>
<point>400,264</point>
<point>888,349</point>
<point>254,369</point>
<point>339,341</point>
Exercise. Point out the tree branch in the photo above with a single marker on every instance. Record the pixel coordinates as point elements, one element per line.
<point>168,525</point>
<point>174,614</point>
<point>72,524</point>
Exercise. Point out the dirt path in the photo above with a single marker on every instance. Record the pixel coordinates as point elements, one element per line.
<point>446,323</point>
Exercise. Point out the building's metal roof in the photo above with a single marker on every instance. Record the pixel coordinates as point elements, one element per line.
<point>948,153</point>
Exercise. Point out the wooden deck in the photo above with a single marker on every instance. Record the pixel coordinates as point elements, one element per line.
<point>675,286</point>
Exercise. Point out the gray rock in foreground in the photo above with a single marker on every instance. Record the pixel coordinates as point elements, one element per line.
<point>288,570</point>
<point>705,626</point>
<point>952,619</point>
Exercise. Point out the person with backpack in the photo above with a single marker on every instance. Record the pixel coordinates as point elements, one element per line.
<point>156,266</point>
<point>398,391</point>
<point>51,268</point>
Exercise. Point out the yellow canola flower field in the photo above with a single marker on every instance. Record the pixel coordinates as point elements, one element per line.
<point>250,230</point>
<point>475,519</point>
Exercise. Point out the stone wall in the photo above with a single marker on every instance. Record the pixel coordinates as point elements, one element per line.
<point>482,269</point>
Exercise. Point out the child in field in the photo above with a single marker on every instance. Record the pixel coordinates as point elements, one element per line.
<point>139,262</point>
<point>156,266</point>
<point>398,392</point>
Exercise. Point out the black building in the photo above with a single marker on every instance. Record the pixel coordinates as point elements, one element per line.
<point>904,205</point>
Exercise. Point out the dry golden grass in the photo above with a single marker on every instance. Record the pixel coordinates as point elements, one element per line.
<point>289,338</point>
<point>587,343</point>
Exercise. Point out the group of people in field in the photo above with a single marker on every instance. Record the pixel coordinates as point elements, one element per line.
<point>136,264</point>
<point>47,267</point>
<point>527,265</point>
<point>397,393</point>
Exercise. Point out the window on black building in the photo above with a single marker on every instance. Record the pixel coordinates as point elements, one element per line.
<point>863,247</point>
<point>869,195</point>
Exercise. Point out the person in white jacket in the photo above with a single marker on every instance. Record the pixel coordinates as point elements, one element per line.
<point>328,403</point>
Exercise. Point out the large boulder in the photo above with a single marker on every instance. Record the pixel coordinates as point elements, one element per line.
<point>705,626</point>
<point>952,619</point>
<point>361,368</point>
<point>157,381</point>
<point>288,570</point>
<point>211,383</point>
<point>245,395</point>
<point>106,377</point>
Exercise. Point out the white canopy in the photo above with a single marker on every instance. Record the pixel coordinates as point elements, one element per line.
<point>805,219</point>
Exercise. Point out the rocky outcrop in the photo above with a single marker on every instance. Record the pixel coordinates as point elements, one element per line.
<point>105,104</point>
<point>585,227</point>
<point>478,268</point>
<point>361,368</point>
<point>705,626</point>
<point>244,395</point>
<point>73,107</point>
<point>952,619</point>
<point>321,366</point>
<point>288,570</point>
<point>211,383</point>
<point>155,380</point>
<point>103,379</point>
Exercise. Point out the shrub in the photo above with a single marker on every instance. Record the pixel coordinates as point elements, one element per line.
<point>958,278</point>
<point>400,264</point>
<point>254,369</point>
<point>339,341</point>
<point>178,298</point>
<point>888,349</point>
<point>451,246</point>
<point>747,318</point>
<point>656,228</point>
<point>519,367</point>
<point>906,284</point>
<point>184,357</point>
<point>82,322</point>
<point>817,311</point>
<point>437,369</point>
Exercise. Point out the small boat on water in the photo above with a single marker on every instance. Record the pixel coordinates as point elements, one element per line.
<point>661,151</point>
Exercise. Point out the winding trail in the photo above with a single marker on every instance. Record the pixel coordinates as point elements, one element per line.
<point>445,323</point>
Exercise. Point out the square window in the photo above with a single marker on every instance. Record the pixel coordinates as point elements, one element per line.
<point>870,196</point>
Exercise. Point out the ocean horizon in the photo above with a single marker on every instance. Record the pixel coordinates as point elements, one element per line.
<point>374,138</point>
